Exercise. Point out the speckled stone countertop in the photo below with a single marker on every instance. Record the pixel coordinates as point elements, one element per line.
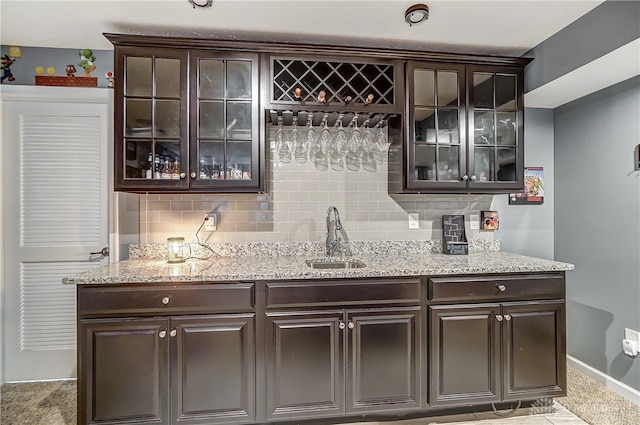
<point>285,267</point>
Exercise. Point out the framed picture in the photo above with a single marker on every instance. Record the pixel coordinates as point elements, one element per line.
<point>533,193</point>
<point>489,220</point>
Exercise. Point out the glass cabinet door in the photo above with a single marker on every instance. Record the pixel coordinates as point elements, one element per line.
<point>495,127</point>
<point>224,125</point>
<point>153,120</point>
<point>436,142</point>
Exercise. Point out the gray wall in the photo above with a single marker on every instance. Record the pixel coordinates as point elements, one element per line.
<point>528,229</point>
<point>597,217</point>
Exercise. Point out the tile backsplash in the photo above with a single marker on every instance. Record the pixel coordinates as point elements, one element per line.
<point>295,206</point>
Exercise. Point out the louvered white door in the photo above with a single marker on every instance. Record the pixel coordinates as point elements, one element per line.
<point>56,214</point>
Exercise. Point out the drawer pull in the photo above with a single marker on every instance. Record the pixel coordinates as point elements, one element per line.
<point>342,325</point>
<point>507,317</point>
<point>166,300</point>
<point>173,333</point>
<point>162,334</point>
<point>351,325</point>
<point>499,317</point>
<point>501,288</point>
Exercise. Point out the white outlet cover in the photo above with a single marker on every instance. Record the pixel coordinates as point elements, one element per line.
<point>414,221</point>
<point>474,222</point>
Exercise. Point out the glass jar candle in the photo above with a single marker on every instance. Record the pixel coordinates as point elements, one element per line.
<point>175,250</point>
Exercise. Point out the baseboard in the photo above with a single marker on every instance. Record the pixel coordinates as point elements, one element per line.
<point>614,385</point>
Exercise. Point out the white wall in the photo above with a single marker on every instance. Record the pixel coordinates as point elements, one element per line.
<point>528,229</point>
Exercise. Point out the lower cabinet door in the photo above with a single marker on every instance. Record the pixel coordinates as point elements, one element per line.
<point>465,354</point>
<point>383,366</point>
<point>305,364</point>
<point>534,346</point>
<point>213,369</point>
<point>123,371</point>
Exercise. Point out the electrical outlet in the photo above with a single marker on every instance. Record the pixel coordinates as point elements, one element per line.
<point>414,221</point>
<point>210,222</point>
<point>474,222</point>
<point>632,336</point>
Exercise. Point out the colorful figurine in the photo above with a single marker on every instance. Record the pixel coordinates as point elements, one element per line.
<point>322,96</point>
<point>71,70</point>
<point>369,99</point>
<point>87,61</point>
<point>6,69</point>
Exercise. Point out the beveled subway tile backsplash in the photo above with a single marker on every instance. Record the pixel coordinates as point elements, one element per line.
<point>295,206</point>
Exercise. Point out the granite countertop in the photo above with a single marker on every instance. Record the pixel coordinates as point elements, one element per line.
<point>233,268</point>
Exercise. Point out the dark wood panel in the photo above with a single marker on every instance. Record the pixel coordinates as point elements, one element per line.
<point>123,371</point>
<point>164,299</point>
<point>305,365</point>
<point>384,370</point>
<point>213,369</point>
<point>465,354</point>
<point>534,352</point>
<point>496,288</point>
<point>342,292</point>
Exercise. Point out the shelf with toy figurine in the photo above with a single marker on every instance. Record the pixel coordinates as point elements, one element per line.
<point>66,81</point>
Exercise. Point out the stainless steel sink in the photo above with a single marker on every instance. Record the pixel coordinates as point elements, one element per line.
<point>330,263</point>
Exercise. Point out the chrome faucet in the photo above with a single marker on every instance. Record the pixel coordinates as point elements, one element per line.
<point>331,245</point>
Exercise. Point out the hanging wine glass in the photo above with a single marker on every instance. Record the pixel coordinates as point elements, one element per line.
<point>281,144</point>
<point>355,137</point>
<point>321,147</point>
<point>299,145</point>
<point>340,139</point>
<point>367,137</point>
<point>380,142</point>
<point>310,134</point>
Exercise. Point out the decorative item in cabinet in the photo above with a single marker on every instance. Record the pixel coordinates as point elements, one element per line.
<point>364,84</point>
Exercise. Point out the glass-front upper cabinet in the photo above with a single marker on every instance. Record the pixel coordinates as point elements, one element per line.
<point>436,141</point>
<point>496,151</point>
<point>150,129</point>
<point>225,120</point>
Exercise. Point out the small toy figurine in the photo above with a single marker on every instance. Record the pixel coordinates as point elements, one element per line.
<point>297,93</point>
<point>347,100</point>
<point>322,96</point>
<point>111,82</point>
<point>6,69</point>
<point>87,61</point>
<point>369,99</point>
<point>71,70</point>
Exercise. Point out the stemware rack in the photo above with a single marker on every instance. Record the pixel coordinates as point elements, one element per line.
<point>301,117</point>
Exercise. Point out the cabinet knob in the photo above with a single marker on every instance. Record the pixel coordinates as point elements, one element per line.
<point>182,175</point>
<point>507,317</point>
<point>499,317</point>
<point>162,334</point>
<point>473,178</point>
<point>465,177</point>
<point>166,300</point>
<point>501,288</point>
<point>193,175</point>
<point>342,325</point>
<point>173,333</point>
<point>351,325</point>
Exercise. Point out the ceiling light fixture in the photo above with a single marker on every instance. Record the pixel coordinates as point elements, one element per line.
<point>416,14</point>
<point>201,3</point>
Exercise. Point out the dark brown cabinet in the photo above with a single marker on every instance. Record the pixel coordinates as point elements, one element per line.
<point>497,351</point>
<point>165,369</point>
<point>464,130</point>
<point>186,119</point>
<point>327,363</point>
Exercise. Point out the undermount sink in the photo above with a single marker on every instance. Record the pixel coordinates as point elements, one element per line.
<point>330,263</point>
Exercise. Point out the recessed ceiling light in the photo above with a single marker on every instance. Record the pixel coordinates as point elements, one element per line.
<point>416,14</point>
<point>201,3</point>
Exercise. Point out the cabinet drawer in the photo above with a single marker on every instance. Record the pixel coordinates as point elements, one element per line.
<point>136,299</point>
<point>337,292</point>
<point>474,288</point>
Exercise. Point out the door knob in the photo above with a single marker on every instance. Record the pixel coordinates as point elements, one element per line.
<point>342,325</point>
<point>501,288</point>
<point>173,333</point>
<point>499,317</point>
<point>162,334</point>
<point>507,317</point>
<point>193,175</point>
<point>351,325</point>
<point>166,300</point>
<point>104,252</point>
<point>465,177</point>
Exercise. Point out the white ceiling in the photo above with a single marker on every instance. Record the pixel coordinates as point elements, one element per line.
<point>508,28</point>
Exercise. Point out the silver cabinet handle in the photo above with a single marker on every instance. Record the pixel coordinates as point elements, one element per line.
<point>499,317</point>
<point>104,252</point>
<point>507,317</point>
<point>342,325</point>
<point>166,300</point>
<point>193,175</point>
<point>501,288</point>
<point>173,333</point>
<point>351,325</point>
<point>182,175</point>
<point>162,334</point>
<point>473,178</point>
<point>465,177</point>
